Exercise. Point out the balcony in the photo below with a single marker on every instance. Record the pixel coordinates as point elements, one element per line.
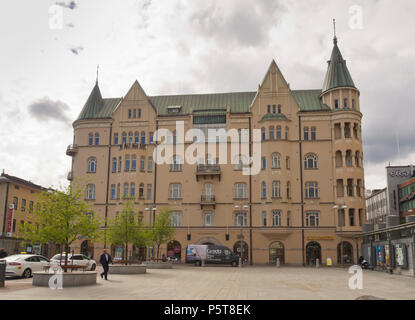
<point>70,176</point>
<point>208,170</point>
<point>207,200</point>
<point>71,149</point>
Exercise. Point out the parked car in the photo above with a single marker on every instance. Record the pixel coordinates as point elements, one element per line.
<point>23,265</point>
<point>213,255</point>
<point>75,259</point>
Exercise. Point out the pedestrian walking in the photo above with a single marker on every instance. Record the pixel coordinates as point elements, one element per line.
<point>105,260</point>
<point>3,253</point>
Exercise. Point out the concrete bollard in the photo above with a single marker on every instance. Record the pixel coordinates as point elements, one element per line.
<point>240,262</point>
<point>203,262</point>
<point>278,263</point>
<point>317,263</point>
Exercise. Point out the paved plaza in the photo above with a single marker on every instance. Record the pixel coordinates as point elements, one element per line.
<point>211,282</point>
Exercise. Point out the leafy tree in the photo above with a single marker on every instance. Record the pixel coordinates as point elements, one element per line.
<point>62,217</point>
<point>162,231</point>
<point>127,228</point>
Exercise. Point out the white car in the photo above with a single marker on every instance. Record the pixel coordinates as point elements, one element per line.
<point>23,265</point>
<point>75,259</point>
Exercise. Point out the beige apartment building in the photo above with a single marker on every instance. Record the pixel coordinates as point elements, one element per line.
<point>307,198</point>
<point>18,198</point>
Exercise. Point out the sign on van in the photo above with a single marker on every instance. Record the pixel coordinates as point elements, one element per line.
<point>196,251</point>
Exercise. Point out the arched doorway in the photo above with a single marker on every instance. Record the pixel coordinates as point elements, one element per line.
<point>174,249</point>
<point>237,249</point>
<point>313,252</point>
<point>87,248</point>
<point>276,250</point>
<point>347,253</point>
<point>208,241</point>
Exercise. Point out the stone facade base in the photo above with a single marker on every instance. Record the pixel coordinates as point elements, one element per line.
<point>69,279</point>
<point>158,265</point>
<point>129,269</point>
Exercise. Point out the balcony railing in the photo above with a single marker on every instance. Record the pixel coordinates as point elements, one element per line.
<point>208,170</point>
<point>207,200</point>
<point>71,149</point>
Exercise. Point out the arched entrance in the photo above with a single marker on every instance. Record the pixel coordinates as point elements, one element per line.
<point>87,248</point>
<point>208,241</point>
<point>237,249</point>
<point>313,252</point>
<point>276,250</point>
<point>174,249</point>
<point>347,253</point>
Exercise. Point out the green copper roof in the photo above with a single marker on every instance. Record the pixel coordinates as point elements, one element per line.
<point>96,107</point>
<point>309,100</point>
<point>213,104</point>
<point>274,116</point>
<point>238,102</point>
<point>337,73</point>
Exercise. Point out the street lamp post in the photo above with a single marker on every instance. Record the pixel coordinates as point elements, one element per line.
<point>343,207</point>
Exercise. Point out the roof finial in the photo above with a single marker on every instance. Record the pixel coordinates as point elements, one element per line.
<point>97,73</point>
<point>335,37</point>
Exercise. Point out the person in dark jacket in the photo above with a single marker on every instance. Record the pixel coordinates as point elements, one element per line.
<point>105,260</point>
<point>3,253</point>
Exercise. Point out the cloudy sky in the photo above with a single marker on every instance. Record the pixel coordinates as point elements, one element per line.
<point>50,50</point>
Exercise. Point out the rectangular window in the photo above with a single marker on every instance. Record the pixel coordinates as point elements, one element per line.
<point>15,203</point>
<point>336,104</point>
<point>240,191</point>
<point>274,108</point>
<point>241,219</point>
<point>30,206</point>
<point>134,113</point>
<point>288,218</point>
<point>129,113</point>
<point>208,219</point>
<point>151,138</point>
<point>176,218</point>
<point>127,163</point>
<point>264,163</point>
<point>312,219</point>
<point>276,218</point>
<point>175,191</point>
<point>313,133</point>
<point>150,164</point>
<point>149,191</point>
<point>264,218</point>
<point>133,163</point>
<point>23,205</point>
<point>112,191</point>
<point>115,138</point>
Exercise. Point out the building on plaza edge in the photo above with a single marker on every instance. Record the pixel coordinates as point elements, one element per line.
<point>308,196</point>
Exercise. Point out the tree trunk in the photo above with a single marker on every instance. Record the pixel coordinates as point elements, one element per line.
<point>126,253</point>
<point>66,257</point>
<point>158,251</point>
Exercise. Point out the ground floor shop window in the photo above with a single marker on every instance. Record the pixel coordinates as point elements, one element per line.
<point>347,253</point>
<point>276,251</point>
<point>313,252</point>
<point>174,250</point>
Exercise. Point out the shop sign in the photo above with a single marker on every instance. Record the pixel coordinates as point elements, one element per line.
<point>321,238</point>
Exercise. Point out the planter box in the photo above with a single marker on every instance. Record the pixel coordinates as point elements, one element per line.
<point>127,269</point>
<point>69,279</point>
<point>158,265</point>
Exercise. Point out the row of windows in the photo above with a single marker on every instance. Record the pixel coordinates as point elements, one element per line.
<point>345,104</point>
<point>136,137</point>
<point>349,158</point>
<point>274,135</point>
<point>175,190</point>
<point>130,163</point>
<point>352,218</point>
<point>350,187</point>
<point>347,130</point>
<point>23,206</point>
<point>134,113</point>
<point>406,191</point>
<point>275,108</point>
<point>93,139</point>
<point>129,191</point>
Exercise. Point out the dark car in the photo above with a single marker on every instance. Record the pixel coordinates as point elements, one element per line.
<point>214,255</point>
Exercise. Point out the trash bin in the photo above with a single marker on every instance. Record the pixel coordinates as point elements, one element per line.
<point>2,273</point>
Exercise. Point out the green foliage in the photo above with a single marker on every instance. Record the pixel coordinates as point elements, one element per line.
<point>61,217</point>
<point>127,228</point>
<point>162,231</point>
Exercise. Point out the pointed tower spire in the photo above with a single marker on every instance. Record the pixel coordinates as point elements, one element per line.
<point>337,73</point>
<point>97,73</point>
<point>335,37</point>
<point>93,105</point>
